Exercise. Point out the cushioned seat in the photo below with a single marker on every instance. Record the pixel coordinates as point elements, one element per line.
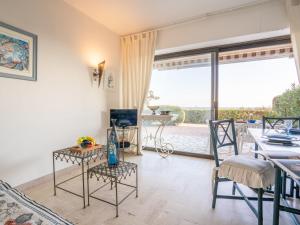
<point>254,173</point>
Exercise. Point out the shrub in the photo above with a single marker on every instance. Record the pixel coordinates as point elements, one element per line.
<point>245,114</point>
<point>177,112</point>
<point>200,116</point>
<point>288,103</point>
<point>196,116</point>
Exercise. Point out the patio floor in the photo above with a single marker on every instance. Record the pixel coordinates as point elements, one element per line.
<point>187,137</point>
<point>192,138</point>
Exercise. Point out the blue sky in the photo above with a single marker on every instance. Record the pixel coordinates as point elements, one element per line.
<point>247,84</point>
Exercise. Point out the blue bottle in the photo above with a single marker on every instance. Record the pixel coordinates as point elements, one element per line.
<point>113,146</point>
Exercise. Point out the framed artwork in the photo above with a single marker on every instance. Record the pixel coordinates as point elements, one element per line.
<point>109,81</point>
<point>18,53</point>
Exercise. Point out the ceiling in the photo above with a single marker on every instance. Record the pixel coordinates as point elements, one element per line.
<point>130,16</point>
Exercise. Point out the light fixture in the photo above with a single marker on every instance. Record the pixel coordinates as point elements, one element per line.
<point>98,72</point>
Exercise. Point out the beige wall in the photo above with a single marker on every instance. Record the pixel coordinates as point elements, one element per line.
<point>38,117</point>
<point>260,21</point>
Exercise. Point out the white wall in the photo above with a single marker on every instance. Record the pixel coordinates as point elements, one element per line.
<point>260,21</point>
<point>293,10</point>
<point>39,117</point>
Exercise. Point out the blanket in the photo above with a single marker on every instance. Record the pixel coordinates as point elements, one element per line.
<point>17,209</point>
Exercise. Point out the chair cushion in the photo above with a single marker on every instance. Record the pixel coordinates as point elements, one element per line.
<point>254,173</point>
<point>279,154</point>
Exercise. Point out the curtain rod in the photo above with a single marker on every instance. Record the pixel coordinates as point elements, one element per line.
<point>199,17</point>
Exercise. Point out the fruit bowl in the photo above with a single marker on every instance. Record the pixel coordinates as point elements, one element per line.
<point>86,142</point>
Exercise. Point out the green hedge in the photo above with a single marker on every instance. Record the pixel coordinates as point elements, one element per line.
<point>288,103</point>
<point>196,116</point>
<point>201,116</point>
<point>176,111</point>
<point>245,114</point>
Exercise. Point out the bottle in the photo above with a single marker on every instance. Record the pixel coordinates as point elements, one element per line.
<point>113,146</point>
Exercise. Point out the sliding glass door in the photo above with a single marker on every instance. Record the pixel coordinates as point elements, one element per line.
<point>185,86</point>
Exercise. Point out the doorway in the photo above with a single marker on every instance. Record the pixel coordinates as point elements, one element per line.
<point>185,87</point>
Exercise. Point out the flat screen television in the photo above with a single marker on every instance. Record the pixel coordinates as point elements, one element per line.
<point>124,117</point>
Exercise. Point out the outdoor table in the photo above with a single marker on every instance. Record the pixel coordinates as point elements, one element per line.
<point>291,168</point>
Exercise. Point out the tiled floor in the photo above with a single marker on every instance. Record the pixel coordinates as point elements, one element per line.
<point>172,191</point>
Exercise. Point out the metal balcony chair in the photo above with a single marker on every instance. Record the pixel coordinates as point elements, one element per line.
<point>257,174</point>
<point>274,122</point>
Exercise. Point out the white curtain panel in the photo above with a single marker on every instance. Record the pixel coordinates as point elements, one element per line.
<point>136,66</point>
<point>293,11</point>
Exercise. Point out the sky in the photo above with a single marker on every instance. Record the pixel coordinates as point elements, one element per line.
<point>246,84</point>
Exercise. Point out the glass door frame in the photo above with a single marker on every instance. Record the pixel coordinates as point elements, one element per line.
<point>213,55</point>
<point>214,51</point>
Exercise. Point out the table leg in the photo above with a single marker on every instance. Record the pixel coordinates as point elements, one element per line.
<point>54,180</point>
<point>88,186</point>
<point>123,141</point>
<point>260,206</point>
<point>136,182</point>
<point>137,142</point>
<point>256,148</point>
<point>284,185</point>
<point>292,187</point>
<point>83,185</point>
<point>117,202</point>
<point>277,196</point>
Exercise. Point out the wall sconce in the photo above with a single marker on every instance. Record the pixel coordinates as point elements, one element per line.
<point>98,73</point>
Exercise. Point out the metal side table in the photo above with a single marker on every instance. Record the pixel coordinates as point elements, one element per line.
<point>114,176</point>
<point>81,159</point>
<point>160,145</point>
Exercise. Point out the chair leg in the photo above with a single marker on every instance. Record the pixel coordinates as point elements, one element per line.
<point>233,188</point>
<point>215,191</point>
<point>292,187</point>
<point>297,191</point>
<point>284,185</point>
<point>260,206</point>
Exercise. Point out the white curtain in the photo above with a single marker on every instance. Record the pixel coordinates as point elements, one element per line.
<point>136,68</point>
<point>293,11</point>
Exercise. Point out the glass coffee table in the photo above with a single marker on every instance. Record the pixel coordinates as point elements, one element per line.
<point>113,176</point>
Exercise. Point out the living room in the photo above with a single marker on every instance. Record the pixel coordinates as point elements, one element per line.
<point>68,67</point>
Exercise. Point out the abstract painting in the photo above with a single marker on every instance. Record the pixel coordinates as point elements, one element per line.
<point>18,53</point>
